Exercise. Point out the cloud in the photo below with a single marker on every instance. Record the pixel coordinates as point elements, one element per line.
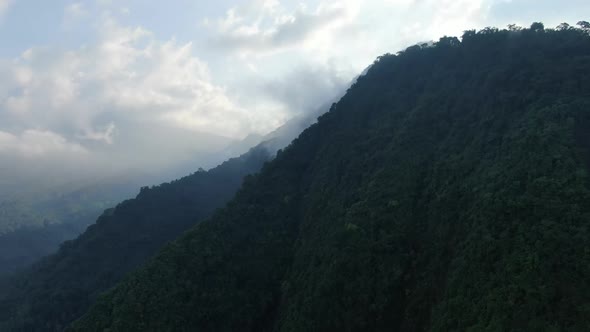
<point>308,88</point>
<point>266,40</point>
<point>165,81</point>
<point>75,10</point>
<point>35,160</point>
<point>272,27</point>
<point>107,93</point>
<point>126,101</point>
<point>38,143</point>
<point>4,5</point>
<point>105,134</point>
<point>126,74</point>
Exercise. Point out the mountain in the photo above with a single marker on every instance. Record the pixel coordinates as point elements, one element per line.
<point>59,288</point>
<point>281,136</point>
<point>43,204</point>
<point>448,190</point>
<point>33,225</point>
<point>59,205</point>
<point>22,247</point>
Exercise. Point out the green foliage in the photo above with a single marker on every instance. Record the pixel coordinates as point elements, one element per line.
<point>61,287</point>
<point>446,191</point>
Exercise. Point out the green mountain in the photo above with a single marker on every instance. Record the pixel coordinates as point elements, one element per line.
<point>448,190</point>
<point>34,224</point>
<point>61,287</point>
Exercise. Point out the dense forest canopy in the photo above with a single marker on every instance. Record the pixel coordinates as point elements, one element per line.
<point>448,190</point>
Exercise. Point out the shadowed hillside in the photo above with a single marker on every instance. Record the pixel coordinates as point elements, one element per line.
<point>61,287</point>
<point>446,191</point>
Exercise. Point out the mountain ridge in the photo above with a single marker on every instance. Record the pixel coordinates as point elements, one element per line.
<point>446,191</point>
<point>57,290</point>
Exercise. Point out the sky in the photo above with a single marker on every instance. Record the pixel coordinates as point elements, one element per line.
<point>106,85</point>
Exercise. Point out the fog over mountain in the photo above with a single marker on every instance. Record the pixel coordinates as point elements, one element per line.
<point>101,97</point>
<point>339,134</point>
<point>98,88</point>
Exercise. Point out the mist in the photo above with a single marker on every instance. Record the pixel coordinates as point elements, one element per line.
<point>100,90</point>
<point>130,128</point>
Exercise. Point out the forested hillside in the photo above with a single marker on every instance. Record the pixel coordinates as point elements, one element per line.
<point>448,190</point>
<point>22,247</point>
<point>60,288</point>
<point>34,224</point>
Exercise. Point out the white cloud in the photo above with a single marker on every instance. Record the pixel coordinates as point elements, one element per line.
<point>128,73</point>
<point>75,10</point>
<point>127,100</point>
<point>300,53</point>
<point>291,57</point>
<point>133,96</point>
<point>308,87</point>
<point>267,27</point>
<point>4,5</point>
<point>38,143</point>
<point>353,30</point>
<point>105,134</point>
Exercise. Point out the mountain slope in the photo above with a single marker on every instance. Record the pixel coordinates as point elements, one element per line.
<point>22,247</point>
<point>61,287</point>
<point>446,191</point>
<point>34,224</point>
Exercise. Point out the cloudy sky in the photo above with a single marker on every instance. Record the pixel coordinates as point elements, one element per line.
<point>144,83</point>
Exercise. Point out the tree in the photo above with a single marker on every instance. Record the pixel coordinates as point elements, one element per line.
<point>448,41</point>
<point>537,27</point>
<point>514,27</point>
<point>467,34</point>
<point>584,26</point>
<point>488,31</point>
